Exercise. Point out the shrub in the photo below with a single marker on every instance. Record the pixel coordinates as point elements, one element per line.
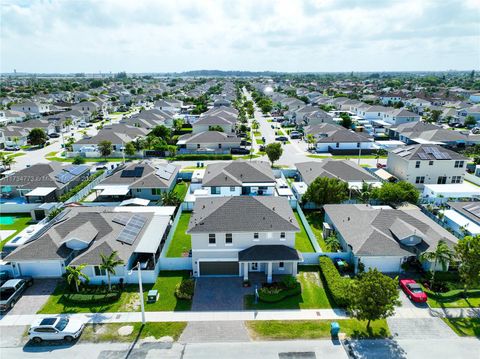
<point>276,292</point>
<point>79,187</point>
<point>185,289</point>
<point>194,157</point>
<point>289,282</point>
<point>335,283</point>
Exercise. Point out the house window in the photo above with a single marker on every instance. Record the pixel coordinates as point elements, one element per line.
<point>417,164</point>
<point>458,164</point>
<point>281,265</point>
<point>457,179</point>
<point>282,235</point>
<point>156,191</point>
<point>215,190</point>
<point>442,180</point>
<point>420,179</point>
<point>430,163</point>
<point>219,145</point>
<point>337,145</point>
<point>232,189</point>
<point>255,236</point>
<point>99,271</point>
<point>228,238</point>
<point>211,238</point>
<point>198,146</point>
<point>358,144</point>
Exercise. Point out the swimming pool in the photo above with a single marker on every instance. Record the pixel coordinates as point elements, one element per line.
<point>7,220</point>
<point>16,200</point>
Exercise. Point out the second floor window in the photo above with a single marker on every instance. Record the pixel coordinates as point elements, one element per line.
<point>430,163</point>
<point>420,180</point>
<point>232,189</point>
<point>255,235</point>
<point>211,238</point>
<point>282,235</point>
<point>417,164</point>
<point>228,238</point>
<point>215,190</point>
<point>458,164</point>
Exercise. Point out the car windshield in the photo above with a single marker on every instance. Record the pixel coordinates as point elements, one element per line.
<point>62,323</point>
<point>416,290</point>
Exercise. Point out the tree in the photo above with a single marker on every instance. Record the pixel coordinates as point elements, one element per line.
<point>109,263</point>
<point>139,144</point>
<point>7,161</point>
<point>37,137</point>
<point>161,132</point>
<point>324,190</point>
<point>178,124</point>
<point>78,160</point>
<point>105,148</point>
<point>274,151</point>
<point>171,198</point>
<point>68,123</point>
<point>373,296</point>
<point>215,128</point>
<point>255,125</point>
<point>396,193</point>
<point>346,120</point>
<point>435,115</point>
<point>442,255</point>
<point>311,140</point>
<point>467,252</point>
<point>74,274</point>
<point>130,149</point>
<point>380,152</point>
<point>332,243</point>
<point>365,193</point>
<point>470,121</point>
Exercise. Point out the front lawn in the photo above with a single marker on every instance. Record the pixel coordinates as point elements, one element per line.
<point>313,294</point>
<point>464,326</point>
<point>21,222</point>
<point>302,242</point>
<point>63,300</point>
<point>95,333</point>
<point>181,242</point>
<point>315,219</point>
<point>453,299</point>
<point>181,189</point>
<point>315,329</point>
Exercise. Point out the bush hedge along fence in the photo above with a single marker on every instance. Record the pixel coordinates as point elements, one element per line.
<point>335,283</point>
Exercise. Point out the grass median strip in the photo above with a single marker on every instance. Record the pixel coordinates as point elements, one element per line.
<point>464,326</point>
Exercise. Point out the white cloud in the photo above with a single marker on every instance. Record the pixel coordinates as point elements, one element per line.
<point>283,35</point>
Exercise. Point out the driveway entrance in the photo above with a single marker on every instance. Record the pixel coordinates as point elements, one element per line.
<point>219,293</point>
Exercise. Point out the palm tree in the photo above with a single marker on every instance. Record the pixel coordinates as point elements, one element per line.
<point>75,273</point>
<point>310,140</point>
<point>365,192</point>
<point>443,255</point>
<point>109,263</point>
<point>68,123</point>
<point>8,161</point>
<point>332,243</point>
<point>381,152</point>
<point>171,199</point>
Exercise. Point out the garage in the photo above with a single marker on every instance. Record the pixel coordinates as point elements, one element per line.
<point>219,268</point>
<point>40,269</point>
<point>383,264</point>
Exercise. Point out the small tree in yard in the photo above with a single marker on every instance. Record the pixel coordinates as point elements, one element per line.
<point>274,151</point>
<point>78,160</point>
<point>105,148</point>
<point>396,193</point>
<point>442,255</point>
<point>468,253</point>
<point>108,264</point>
<point>130,149</point>
<point>74,274</point>
<point>37,137</point>
<point>470,121</point>
<point>171,199</point>
<point>373,296</point>
<point>332,243</point>
<point>324,190</point>
<point>311,141</point>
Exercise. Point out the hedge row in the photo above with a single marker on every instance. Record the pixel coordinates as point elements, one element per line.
<point>79,187</point>
<point>83,298</point>
<point>266,296</point>
<point>335,283</point>
<point>202,157</point>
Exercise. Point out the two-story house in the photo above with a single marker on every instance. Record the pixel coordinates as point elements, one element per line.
<point>235,236</point>
<point>426,164</point>
<point>31,107</point>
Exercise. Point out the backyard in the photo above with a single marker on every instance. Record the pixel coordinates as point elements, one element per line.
<point>181,242</point>
<point>315,329</point>
<point>302,242</point>
<point>96,299</point>
<point>313,294</point>
<point>315,219</point>
<point>11,225</point>
<point>181,189</point>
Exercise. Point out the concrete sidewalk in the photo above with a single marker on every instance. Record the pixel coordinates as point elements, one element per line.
<point>246,315</point>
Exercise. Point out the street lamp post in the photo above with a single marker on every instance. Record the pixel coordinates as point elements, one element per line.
<point>140,287</point>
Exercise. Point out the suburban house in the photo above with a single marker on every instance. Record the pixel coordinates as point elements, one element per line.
<point>14,136</point>
<point>463,218</point>
<point>382,237</point>
<point>417,105</point>
<point>149,119</point>
<point>43,182</point>
<point>426,133</point>
<point>80,235</point>
<point>473,111</point>
<point>426,164</point>
<point>206,123</point>
<point>398,116</point>
<point>337,139</point>
<point>171,105</point>
<point>138,180</point>
<point>9,116</point>
<point>389,99</point>
<point>208,142</point>
<point>31,107</point>
<point>240,235</point>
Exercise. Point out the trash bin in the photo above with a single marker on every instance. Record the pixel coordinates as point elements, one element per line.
<point>152,296</point>
<point>334,329</point>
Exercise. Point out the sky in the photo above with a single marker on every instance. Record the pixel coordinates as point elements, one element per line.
<point>65,36</point>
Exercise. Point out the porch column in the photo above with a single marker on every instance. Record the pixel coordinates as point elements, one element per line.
<point>154,261</point>
<point>269,272</point>
<point>245,271</point>
<point>294,268</point>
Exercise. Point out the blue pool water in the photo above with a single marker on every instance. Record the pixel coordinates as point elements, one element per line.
<point>7,220</point>
<point>16,200</point>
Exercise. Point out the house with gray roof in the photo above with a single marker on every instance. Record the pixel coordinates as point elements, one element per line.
<point>143,180</point>
<point>81,235</point>
<point>239,235</point>
<point>382,237</point>
<point>208,142</point>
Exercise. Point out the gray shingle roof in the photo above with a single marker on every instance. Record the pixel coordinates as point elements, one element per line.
<point>424,153</point>
<point>242,214</point>
<point>210,137</point>
<point>237,172</point>
<point>269,253</point>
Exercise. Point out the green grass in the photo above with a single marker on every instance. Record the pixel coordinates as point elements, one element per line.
<point>246,157</point>
<point>257,133</point>
<point>302,242</point>
<point>21,222</point>
<point>453,299</point>
<point>12,155</point>
<point>315,219</point>
<point>315,329</point>
<point>345,157</point>
<point>97,333</point>
<point>181,242</point>
<point>313,294</point>
<point>181,189</point>
<point>69,160</point>
<point>464,326</point>
<point>59,302</point>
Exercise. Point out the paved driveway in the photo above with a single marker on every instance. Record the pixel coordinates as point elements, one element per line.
<point>215,332</point>
<point>420,328</point>
<point>407,303</point>
<point>225,293</point>
<point>34,297</point>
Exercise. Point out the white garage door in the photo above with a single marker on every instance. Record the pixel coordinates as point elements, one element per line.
<point>383,264</point>
<point>40,269</point>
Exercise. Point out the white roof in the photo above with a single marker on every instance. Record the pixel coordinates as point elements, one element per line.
<point>157,210</point>
<point>383,174</point>
<point>456,190</point>
<point>300,187</point>
<point>153,235</point>
<point>426,142</point>
<point>115,191</point>
<point>462,221</point>
<point>41,191</point>
<point>135,201</point>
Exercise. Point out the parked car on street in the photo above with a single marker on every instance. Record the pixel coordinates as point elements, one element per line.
<point>55,328</point>
<point>10,293</point>
<point>295,135</point>
<point>54,135</point>
<point>413,290</point>
<point>239,151</point>
<point>281,138</point>
<point>12,148</point>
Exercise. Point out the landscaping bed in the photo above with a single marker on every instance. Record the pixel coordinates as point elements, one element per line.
<point>181,242</point>
<point>336,285</point>
<point>315,329</point>
<point>181,189</point>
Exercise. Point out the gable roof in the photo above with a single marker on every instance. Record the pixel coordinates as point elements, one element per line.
<point>426,153</point>
<point>237,172</point>
<point>344,170</point>
<point>209,137</point>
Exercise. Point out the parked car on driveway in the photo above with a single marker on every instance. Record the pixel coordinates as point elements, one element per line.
<point>12,148</point>
<point>295,135</point>
<point>10,293</point>
<point>54,135</point>
<point>239,151</point>
<point>413,290</point>
<point>55,328</point>
<point>5,276</point>
<point>281,138</point>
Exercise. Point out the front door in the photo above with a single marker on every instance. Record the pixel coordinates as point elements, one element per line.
<point>254,267</point>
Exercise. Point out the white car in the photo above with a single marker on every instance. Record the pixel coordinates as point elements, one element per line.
<point>55,328</point>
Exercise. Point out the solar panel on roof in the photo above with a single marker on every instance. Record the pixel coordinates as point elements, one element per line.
<point>121,219</point>
<point>76,170</point>
<point>163,174</point>
<point>403,154</point>
<point>170,168</point>
<point>429,149</point>
<point>447,156</point>
<point>409,148</point>
<point>397,150</point>
<point>132,229</point>
<point>64,177</point>
<point>423,156</point>
<point>136,172</point>
<point>473,209</point>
